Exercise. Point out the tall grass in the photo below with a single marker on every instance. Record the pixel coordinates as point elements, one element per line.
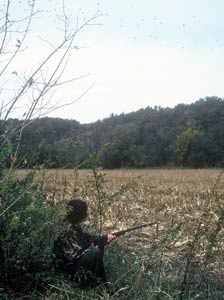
<point>180,258</point>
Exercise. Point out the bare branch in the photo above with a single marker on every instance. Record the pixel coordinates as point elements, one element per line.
<point>20,42</point>
<point>71,80</point>
<point>5,26</point>
<point>71,102</point>
<point>44,78</point>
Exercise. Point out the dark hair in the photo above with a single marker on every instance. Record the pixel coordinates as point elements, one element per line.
<point>77,211</point>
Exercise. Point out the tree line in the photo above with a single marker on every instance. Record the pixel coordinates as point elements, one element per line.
<point>189,135</point>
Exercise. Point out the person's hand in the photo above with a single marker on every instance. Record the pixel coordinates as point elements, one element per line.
<point>110,237</point>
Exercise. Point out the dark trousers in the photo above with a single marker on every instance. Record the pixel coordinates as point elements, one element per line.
<point>91,262</point>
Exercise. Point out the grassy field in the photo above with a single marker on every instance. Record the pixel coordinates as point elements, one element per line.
<point>181,257</point>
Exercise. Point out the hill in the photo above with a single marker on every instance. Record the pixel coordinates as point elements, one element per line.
<point>186,135</point>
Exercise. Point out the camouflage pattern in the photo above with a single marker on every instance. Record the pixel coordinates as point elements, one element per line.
<point>76,255</point>
<point>70,244</point>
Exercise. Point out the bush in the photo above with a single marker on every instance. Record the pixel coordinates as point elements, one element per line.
<point>28,225</point>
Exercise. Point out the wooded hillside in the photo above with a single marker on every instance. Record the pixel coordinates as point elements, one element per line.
<point>186,135</point>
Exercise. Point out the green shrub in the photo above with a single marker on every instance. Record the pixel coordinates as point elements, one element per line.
<point>28,225</point>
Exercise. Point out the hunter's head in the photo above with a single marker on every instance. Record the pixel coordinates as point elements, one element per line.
<point>77,211</point>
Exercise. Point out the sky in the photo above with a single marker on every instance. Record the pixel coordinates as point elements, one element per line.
<point>136,54</point>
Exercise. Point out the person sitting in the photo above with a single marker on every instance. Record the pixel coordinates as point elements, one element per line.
<point>78,253</point>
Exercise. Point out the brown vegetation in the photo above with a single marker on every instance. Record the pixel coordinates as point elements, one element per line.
<point>167,196</point>
<point>185,248</point>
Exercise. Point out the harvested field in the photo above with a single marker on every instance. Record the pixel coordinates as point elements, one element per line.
<point>188,206</point>
<point>166,196</point>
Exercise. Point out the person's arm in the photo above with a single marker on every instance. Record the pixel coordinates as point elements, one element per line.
<point>100,240</point>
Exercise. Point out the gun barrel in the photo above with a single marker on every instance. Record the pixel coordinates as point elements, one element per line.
<point>121,232</point>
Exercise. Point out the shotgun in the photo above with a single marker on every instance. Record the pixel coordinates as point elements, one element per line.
<point>122,232</point>
<point>101,240</point>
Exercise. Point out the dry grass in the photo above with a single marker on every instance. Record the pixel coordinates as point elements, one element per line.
<point>162,195</point>
<point>187,204</point>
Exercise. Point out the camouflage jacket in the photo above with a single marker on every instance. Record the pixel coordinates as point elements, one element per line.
<point>73,241</point>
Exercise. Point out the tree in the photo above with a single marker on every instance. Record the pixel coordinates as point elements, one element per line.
<point>123,150</point>
<point>33,87</point>
<point>26,218</point>
<point>184,142</point>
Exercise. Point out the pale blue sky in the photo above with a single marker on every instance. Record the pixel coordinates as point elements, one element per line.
<point>145,53</point>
